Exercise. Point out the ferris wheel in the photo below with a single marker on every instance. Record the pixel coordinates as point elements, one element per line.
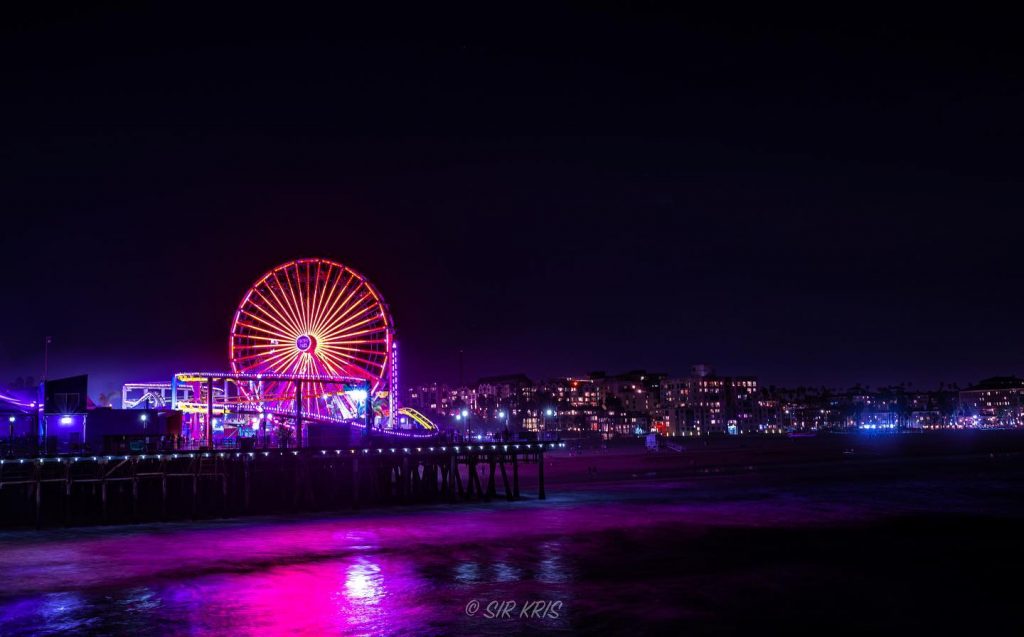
<point>313,318</point>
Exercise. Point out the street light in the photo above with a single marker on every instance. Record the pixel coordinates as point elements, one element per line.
<point>263,428</point>
<point>547,413</point>
<point>465,414</point>
<point>502,414</point>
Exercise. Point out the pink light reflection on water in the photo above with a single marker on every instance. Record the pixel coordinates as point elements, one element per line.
<point>360,594</point>
<point>403,572</point>
<point>376,593</point>
<point>83,558</point>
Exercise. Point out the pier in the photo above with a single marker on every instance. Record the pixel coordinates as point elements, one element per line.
<point>126,488</point>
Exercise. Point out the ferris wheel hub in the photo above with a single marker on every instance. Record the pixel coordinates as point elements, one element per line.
<point>306,343</point>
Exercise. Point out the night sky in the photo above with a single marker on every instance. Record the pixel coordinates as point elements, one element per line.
<point>828,199</point>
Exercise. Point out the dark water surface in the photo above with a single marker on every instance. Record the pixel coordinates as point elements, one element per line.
<point>896,546</point>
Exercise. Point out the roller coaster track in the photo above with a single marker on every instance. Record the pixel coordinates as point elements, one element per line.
<point>422,420</point>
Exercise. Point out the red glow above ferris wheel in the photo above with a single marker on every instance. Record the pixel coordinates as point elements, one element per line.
<point>312,317</point>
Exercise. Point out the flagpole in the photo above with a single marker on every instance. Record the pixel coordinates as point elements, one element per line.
<point>46,356</point>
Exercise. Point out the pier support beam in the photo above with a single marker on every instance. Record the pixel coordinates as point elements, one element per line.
<point>540,475</point>
<point>491,490</point>
<point>458,477</point>
<point>515,475</point>
<point>355,482</point>
<point>163,489</point>
<point>504,479</point>
<point>67,494</point>
<point>39,493</point>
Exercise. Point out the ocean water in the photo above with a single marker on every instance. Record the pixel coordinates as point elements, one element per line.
<point>898,546</point>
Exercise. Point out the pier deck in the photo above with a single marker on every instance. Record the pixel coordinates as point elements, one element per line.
<point>99,489</point>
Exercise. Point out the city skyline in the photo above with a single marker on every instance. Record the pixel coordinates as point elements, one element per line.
<point>706,401</point>
<point>111,383</point>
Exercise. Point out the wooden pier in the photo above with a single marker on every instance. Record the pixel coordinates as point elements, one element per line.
<point>105,489</point>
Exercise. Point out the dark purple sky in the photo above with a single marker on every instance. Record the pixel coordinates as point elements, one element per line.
<point>825,200</point>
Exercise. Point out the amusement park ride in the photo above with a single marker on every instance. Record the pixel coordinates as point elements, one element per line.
<point>312,343</point>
